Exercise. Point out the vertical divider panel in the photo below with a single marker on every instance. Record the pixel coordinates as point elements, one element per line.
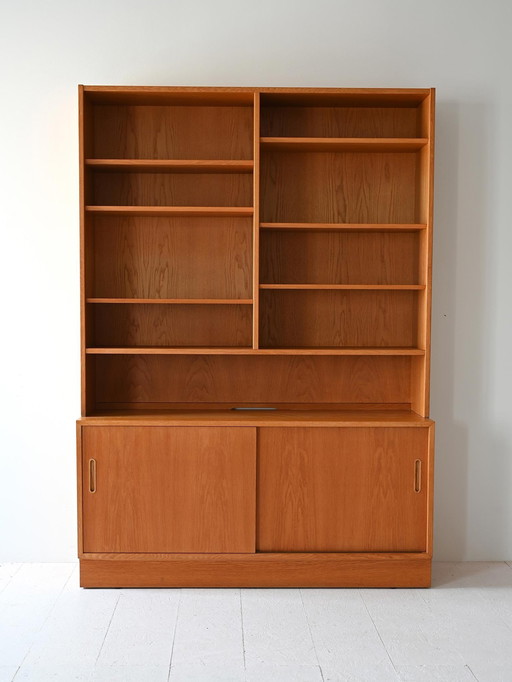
<point>256,224</point>
<point>420,374</point>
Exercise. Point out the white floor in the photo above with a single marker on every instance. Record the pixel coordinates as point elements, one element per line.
<point>460,630</point>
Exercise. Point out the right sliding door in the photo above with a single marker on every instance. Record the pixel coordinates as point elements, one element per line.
<point>349,489</point>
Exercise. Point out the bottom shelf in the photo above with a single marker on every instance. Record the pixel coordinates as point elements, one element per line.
<point>256,570</point>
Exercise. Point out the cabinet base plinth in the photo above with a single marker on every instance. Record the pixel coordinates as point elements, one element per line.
<point>256,570</point>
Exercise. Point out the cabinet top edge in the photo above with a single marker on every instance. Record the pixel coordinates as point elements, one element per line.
<point>209,88</point>
<point>257,419</point>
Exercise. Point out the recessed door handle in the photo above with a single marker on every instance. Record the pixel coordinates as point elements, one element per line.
<point>92,475</point>
<point>417,476</point>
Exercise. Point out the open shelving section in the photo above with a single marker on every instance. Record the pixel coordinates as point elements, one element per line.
<point>266,250</point>
<point>257,223</point>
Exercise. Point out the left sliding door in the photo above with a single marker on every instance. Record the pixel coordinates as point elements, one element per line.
<point>168,489</point>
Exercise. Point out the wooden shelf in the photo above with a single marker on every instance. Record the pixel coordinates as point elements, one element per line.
<point>348,227</point>
<point>346,287</point>
<point>172,165</point>
<point>252,417</point>
<point>255,351</point>
<point>181,301</point>
<point>178,211</point>
<point>343,144</point>
<point>129,95</point>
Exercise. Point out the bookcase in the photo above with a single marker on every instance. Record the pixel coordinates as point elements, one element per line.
<point>256,289</point>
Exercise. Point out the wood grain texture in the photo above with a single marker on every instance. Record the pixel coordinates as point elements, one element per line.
<point>173,257</point>
<point>172,132</point>
<point>338,187</point>
<point>171,189</point>
<point>309,318</point>
<point>341,490</point>
<point>171,325</point>
<point>325,121</point>
<point>289,257</point>
<point>260,570</point>
<point>249,380</point>
<point>170,489</point>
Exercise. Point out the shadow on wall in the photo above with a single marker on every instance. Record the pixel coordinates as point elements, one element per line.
<point>472,503</point>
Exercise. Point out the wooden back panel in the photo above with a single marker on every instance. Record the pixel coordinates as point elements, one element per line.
<point>341,121</point>
<point>327,257</point>
<point>338,187</point>
<point>172,132</point>
<point>172,257</point>
<point>151,381</point>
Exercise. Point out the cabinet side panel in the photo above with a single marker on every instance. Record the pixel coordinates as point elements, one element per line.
<point>79,497</point>
<point>420,387</point>
<point>430,489</point>
<point>81,172</point>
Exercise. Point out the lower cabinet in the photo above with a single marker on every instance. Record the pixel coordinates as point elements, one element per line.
<point>168,489</point>
<point>342,489</point>
<point>241,490</point>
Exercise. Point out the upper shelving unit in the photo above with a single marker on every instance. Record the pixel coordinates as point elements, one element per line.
<point>264,246</point>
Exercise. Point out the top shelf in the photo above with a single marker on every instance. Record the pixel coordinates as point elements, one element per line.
<point>343,144</point>
<point>244,96</point>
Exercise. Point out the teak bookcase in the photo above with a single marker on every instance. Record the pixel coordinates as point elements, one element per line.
<point>256,286</point>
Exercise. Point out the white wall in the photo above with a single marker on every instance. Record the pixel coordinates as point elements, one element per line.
<point>460,47</point>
